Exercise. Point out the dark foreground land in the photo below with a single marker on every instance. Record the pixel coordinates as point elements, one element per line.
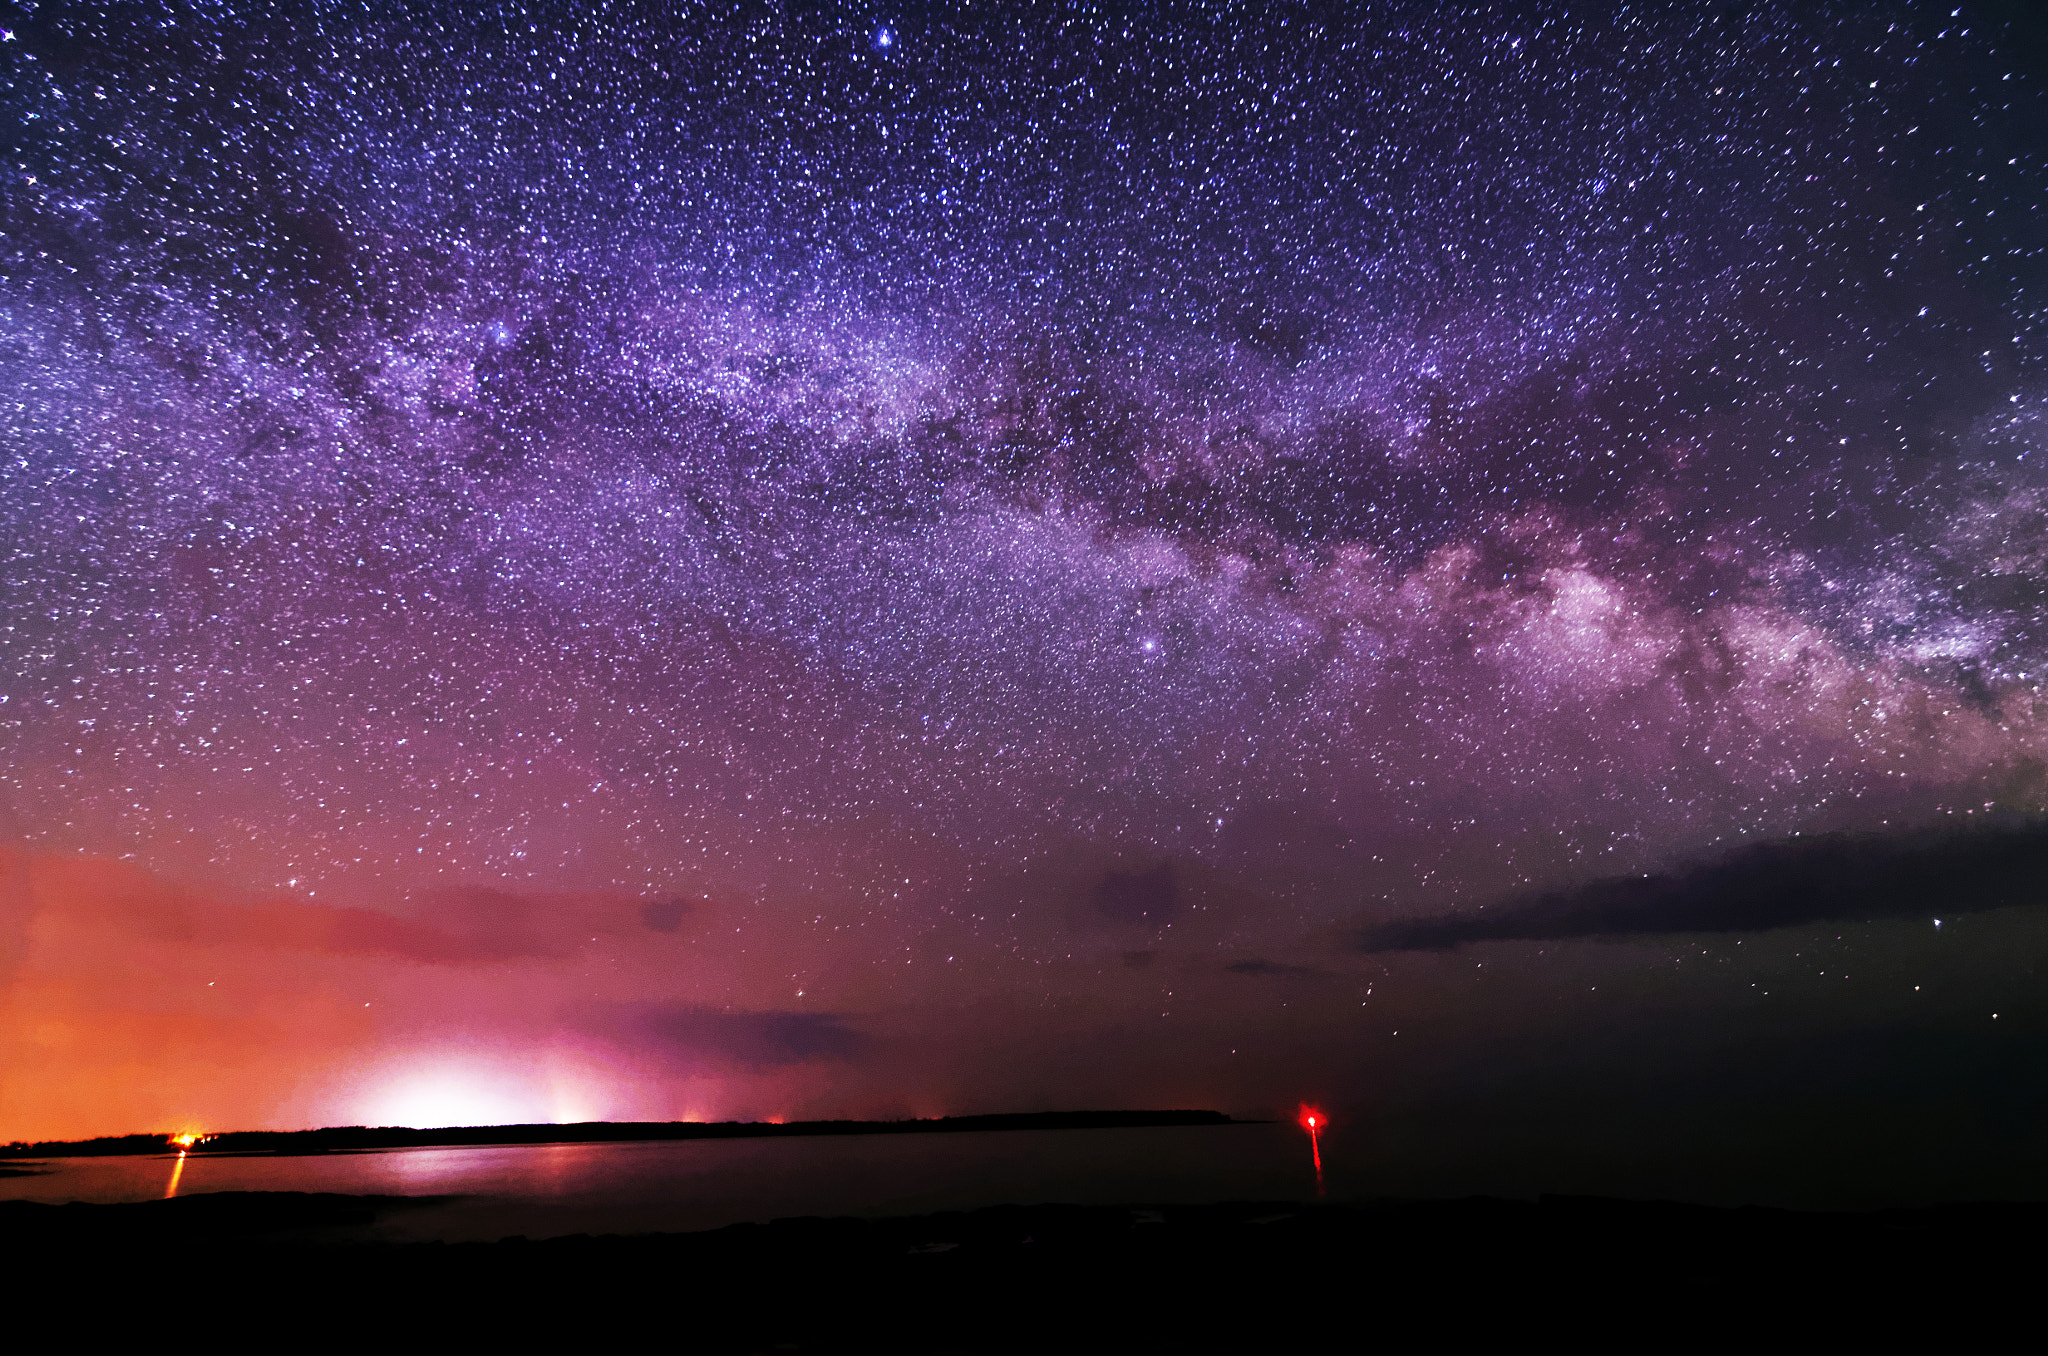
<point>233,1269</point>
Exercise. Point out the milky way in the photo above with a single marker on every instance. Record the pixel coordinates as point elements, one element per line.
<point>1056,517</point>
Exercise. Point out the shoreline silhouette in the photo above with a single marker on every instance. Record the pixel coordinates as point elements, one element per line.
<point>365,1139</point>
<point>1229,1276</point>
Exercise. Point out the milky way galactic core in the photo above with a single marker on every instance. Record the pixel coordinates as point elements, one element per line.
<point>757,550</point>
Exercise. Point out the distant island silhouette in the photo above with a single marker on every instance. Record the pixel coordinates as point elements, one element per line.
<point>360,1138</point>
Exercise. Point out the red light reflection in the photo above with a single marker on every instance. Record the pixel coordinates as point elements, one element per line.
<point>1314,1121</point>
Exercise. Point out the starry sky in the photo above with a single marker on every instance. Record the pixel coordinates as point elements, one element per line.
<point>780,560</point>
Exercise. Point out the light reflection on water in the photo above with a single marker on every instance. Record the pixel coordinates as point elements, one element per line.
<point>177,1171</point>
<point>546,1189</point>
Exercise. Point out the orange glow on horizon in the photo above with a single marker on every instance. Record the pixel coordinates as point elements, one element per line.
<point>133,1003</point>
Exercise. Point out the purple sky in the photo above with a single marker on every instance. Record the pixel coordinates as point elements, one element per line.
<point>635,562</point>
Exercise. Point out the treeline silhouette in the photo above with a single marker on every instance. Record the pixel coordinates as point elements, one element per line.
<point>353,1138</point>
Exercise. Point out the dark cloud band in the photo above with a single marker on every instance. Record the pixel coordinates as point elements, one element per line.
<point>1837,878</point>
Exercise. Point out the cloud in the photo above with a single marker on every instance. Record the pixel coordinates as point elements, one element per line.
<point>666,915</point>
<point>349,932</point>
<point>1836,878</point>
<point>713,1039</point>
<point>476,923</point>
<point>461,925</point>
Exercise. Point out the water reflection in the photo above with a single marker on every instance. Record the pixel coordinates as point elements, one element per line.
<point>490,1191</point>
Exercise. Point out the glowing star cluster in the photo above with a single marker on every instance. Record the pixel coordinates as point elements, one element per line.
<point>713,537</point>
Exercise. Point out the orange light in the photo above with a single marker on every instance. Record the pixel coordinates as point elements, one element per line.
<point>177,1171</point>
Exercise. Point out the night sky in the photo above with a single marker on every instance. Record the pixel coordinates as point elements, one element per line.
<point>778,561</point>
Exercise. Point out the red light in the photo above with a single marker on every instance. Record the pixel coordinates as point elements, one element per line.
<point>1313,1121</point>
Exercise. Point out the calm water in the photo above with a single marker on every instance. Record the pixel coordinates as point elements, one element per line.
<point>546,1189</point>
